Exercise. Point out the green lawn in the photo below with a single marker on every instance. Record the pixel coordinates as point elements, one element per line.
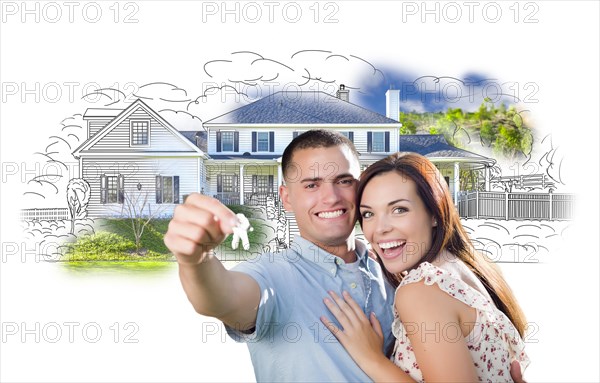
<point>113,244</point>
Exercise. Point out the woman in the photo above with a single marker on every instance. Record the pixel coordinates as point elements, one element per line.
<point>456,319</point>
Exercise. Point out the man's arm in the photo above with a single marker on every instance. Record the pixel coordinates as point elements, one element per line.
<point>198,226</point>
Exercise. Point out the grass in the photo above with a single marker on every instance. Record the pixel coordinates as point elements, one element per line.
<point>113,245</point>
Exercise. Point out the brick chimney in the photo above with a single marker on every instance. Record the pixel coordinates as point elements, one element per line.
<point>392,103</point>
<point>343,93</point>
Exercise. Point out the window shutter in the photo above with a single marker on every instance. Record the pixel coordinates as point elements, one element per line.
<point>159,189</point>
<point>236,141</point>
<point>253,141</point>
<point>219,183</point>
<point>271,141</point>
<point>121,189</point>
<point>294,135</point>
<point>387,141</point>
<point>218,141</point>
<point>176,189</point>
<point>254,184</point>
<point>103,191</point>
<point>369,141</point>
<point>270,183</point>
<point>351,136</point>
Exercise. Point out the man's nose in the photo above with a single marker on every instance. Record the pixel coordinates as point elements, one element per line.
<point>330,192</point>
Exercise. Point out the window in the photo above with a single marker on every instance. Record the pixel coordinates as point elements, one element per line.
<point>112,188</point>
<point>228,141</point>
<point>227,183</point>
<point>139,132</point>
<point>262,142</point>
<point>167,189</point>
<point>378,141</point>
<point>262,184</point>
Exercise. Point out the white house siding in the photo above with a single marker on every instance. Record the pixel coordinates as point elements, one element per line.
<point>160,138</point>
<point>141,170</point>
<point>94,126</point>
<point>283,136</point>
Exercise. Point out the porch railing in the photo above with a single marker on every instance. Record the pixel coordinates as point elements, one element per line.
<point>250,199</point>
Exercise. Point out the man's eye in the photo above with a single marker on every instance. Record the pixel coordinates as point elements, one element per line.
<point>310,186</point>
<point>347,181</point>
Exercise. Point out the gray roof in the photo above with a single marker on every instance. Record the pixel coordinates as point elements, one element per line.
<point>435,146</point>
<point>198,138</point>
<point>301,108</point>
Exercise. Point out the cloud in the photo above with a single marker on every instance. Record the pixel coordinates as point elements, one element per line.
<point>182,120</point>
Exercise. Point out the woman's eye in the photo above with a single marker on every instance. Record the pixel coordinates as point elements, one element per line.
<point>399,210</point>
<point>366,214</point>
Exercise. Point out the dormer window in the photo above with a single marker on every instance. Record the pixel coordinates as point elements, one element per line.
<point>140,132</point>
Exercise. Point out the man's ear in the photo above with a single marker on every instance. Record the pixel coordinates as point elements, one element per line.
<point>285,198</point>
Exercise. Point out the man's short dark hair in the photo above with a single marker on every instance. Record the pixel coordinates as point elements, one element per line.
<point>312,139</point>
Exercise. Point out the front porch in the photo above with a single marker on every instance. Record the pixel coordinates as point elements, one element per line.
<point>243,183</point>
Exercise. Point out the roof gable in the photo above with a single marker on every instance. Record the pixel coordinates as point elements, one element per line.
<point>301,108</point>
<point>122,116</point>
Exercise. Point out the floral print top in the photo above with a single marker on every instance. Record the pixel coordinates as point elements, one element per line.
<point>494,342</point>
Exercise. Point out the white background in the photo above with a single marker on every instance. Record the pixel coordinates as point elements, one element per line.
<point>170,43</point>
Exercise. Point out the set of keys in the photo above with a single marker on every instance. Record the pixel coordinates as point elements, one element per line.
<point>240,232</point>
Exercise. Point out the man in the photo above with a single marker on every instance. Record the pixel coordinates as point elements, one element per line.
<point>274,303</point>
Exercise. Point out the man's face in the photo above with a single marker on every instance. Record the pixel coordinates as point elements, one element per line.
<point>321,190</point>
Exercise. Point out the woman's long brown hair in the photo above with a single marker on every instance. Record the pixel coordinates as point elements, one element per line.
<point>449,233</point>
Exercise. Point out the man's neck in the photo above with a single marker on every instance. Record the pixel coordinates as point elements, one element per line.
<point>346,251</point>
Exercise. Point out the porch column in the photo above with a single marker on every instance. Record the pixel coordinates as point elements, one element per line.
<point>487,178</point>
<point>241,184</point>
<point>279,176</point>
<point>456,182</point>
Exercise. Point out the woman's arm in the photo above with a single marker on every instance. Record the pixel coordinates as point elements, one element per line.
<point>431,319</point>
<point>362,338</point>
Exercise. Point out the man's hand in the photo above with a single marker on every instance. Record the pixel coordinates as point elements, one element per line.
<point>197,227</point>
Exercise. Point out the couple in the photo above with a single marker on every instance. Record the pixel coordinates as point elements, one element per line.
<point>435,309</point>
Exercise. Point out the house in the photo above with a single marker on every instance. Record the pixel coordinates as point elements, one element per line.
<point>245,145</point>
<point>135,154</point>
<point>237,158</point>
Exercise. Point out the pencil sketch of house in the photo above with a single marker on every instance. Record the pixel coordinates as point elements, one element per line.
<point>136,150</point>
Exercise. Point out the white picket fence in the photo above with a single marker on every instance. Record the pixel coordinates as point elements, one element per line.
<point>46,214</point>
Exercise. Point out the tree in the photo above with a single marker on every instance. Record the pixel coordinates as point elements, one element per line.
<point>78,196</point>
<point>135,203</point>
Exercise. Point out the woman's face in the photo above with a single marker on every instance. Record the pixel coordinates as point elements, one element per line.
<point>395,221</point>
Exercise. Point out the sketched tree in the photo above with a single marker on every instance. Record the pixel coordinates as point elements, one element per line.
<point>137,208</point>
<point>78,196</point>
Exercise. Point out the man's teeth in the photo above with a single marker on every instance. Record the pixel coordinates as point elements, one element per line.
<point>330,214</point>
<point>389,245</point>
